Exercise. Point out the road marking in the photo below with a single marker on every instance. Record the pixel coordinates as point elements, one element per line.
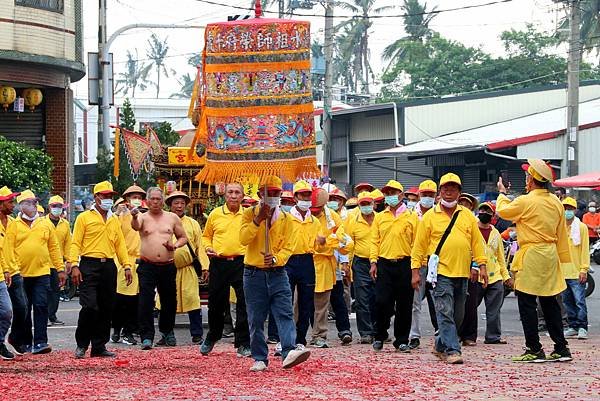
<point>62,327</point>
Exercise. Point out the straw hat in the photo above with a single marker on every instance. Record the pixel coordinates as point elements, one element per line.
<point>177,194</point>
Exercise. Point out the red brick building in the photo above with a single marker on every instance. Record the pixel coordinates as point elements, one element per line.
<point>41,43</point>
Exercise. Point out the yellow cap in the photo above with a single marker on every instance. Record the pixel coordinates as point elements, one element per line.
<point>25,195</point>
<point>338,193</point>
<point>471,198</point>
<point>539,169</point>
<point>7,194</point>
<point>352,202</point>
<point>568,201</point>
<point>272,183</point>
<point>55,200</point>
<point>302,186</point>
<point>40,209</point>
<point>392,184</point>
<point>103,187</point>
<point>427,186</point>
<point>365,197</point>
<point>450,178</point>
<point>376,194</point>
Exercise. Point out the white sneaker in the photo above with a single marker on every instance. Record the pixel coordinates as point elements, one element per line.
<point>258,366</point>
<point>295,357</point>
<point>278,349</point>
<point>582,334</point>
<point>570,332</point>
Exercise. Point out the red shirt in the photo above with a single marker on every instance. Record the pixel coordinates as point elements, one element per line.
<point>593,219</point>
<point>486,232</point>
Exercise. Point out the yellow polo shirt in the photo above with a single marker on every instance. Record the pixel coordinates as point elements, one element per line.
<point>221,232</point>
<point>93,237</point>
<point>35,248</point>
<point>63,235</point>
<point>281,236</point>
<point>464,244</point>
<point>306,234</point>
<point>543,241</point>
<point>359,230</point>
<point>580,255</point>
<point>392,237</point>
<point>132,243</point>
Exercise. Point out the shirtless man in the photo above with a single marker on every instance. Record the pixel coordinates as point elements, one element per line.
<point>156,269</point>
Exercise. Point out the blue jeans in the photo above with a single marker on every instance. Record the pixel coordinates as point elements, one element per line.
<point>19,307</point>
<point>574,301</point>
<point>364,295</point>
<point>36,289</point>
<point>195,316</point>
<point>450,295</point>
<point>269,291</point>
<point>5,311</point>
<point>300,270</point>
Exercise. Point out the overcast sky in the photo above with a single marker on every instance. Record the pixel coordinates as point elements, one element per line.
<point>478,27</point>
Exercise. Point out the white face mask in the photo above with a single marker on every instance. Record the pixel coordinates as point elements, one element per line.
<point>592,209</point>
<point>272,201</point>
<point>106,204</point>
<point>303,205</point>
<point>136,203</point>
<point>30,218</point>
<point>449,205</point>
<point>427,202</point>
<point>56,211</point>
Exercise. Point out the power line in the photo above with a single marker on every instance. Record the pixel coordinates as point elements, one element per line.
<point>405,15</point>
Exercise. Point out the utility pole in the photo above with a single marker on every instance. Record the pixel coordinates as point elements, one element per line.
<point>101,94</point>
<point>327,99</point>
<point>281,8</point>
<point>571,166</point>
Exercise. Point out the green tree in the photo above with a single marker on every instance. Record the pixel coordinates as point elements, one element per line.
<point>134,76</point>
<point>166,135</point>
<point>589,27</point>
<point>22,167</point>
<point>157,52</point>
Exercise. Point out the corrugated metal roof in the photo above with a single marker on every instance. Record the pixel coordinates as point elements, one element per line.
<point>540,126</point>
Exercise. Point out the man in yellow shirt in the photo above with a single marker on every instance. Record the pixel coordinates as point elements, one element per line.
<point>31,243</point>
<point>358,228</point>
<point>124,319</point>
<point>63,235</point>
<point>427,192</point>
<point>97,240</point>
<point>221,241</point>
<point>463,244</point>
<point>544,245</point>
<point>12,275</point>
<point>268,234</point>
<point>188,289</point>
<point>392,237</point>
<point>576,272</point>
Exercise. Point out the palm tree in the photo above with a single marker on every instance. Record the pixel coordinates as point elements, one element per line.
<point>357,31</point>
<point>157,52</point>
<point>590,26</point>
<point>187,87</point>
<point>135,75</point>
<point>416,26</point>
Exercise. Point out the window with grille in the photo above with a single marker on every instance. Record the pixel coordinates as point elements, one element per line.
<point>50,5</point>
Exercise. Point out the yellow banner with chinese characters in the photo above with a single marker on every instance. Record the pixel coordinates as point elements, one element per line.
<point>180,156</point>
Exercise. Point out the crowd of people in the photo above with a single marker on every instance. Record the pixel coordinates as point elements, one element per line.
<point>293,259</point>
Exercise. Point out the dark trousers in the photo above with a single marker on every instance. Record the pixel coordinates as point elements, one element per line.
<point>301,273</point>
<point>196,329</point>
<point>19,306</point>
<point>364,295</point>
<point>431,305</point>
<point>393,297</point>
<point>36,290</point>
<point>159,278</point>
<point>224,274</point>
<point>529,320</point>
<point>53,295</point>
<point>340,309</point>
<point>468,328</point>
<point>125,319</point>
<point>97,297</point>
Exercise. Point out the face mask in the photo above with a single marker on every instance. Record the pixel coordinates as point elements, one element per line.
<point>512,234</point>
<point>449,205</point>
<point>303,205</point>
<point>286,208</point>
<point>485,218</point>
<point>392,200</point>
<point>427,202</point>
<point>106,204</point>
<point>333,205</point>
<point>56,211</point>
<point>592,209</point>
<point>411,205</point>
<point>136,203</point>
<point>366,209</point>
<point>569,214</point>
<point>273,201</point>
<point>30,218</point>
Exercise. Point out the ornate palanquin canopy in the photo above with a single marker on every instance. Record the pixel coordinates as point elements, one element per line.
<point>255,101</point>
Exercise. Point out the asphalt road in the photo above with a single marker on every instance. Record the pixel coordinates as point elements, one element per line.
<point>63,337</point>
